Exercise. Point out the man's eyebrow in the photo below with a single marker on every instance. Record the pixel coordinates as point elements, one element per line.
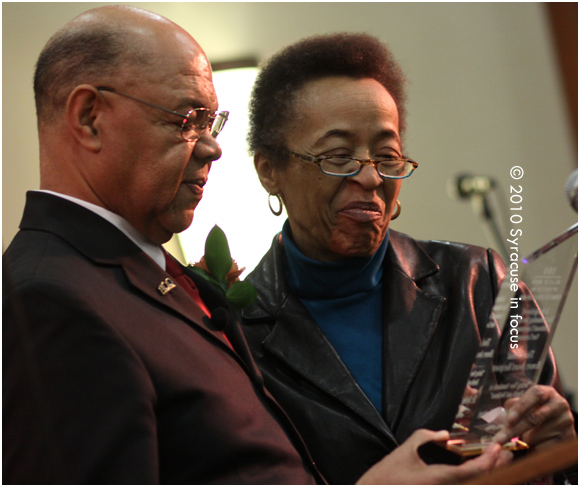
<point>189,103</point>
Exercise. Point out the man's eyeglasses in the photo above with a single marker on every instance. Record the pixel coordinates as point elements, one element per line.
<point>193,124</point>
<point>387,167</point>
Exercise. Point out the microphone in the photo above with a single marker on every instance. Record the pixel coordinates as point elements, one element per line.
<point>571,189</point>
<point>477,190</point>
<point>465,185</point>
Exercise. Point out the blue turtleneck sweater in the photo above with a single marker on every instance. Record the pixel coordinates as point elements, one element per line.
<point>345,299</point>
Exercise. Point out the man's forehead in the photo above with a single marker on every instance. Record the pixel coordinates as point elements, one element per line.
<point>164,63</point>
<point>204,92</point>
<point>173,62</point>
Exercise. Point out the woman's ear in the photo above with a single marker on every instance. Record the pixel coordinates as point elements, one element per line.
<point>82,116</point>
<point>267,173</point>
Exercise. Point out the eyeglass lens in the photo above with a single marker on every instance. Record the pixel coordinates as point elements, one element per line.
<point>218,123</point>
<point>389,168</point>
<point>199,119</point>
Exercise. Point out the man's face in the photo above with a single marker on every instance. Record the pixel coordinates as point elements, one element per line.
<point>155,178</point>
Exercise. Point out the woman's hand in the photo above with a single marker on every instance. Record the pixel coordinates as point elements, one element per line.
<point>404,466</point>
<point>541,417</point>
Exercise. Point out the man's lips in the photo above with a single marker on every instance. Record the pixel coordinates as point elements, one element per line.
<point>362,211</point>
<point>196,185</point>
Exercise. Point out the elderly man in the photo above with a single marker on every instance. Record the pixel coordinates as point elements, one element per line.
<point>117,367</point>
<point>109,377</point>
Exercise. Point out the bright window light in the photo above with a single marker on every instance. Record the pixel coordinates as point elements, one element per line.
<point>233,198</point>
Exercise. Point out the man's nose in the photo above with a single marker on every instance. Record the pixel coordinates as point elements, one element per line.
<point>206,148</point>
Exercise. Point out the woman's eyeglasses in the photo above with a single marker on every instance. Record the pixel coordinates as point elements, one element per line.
<point>387,167</point>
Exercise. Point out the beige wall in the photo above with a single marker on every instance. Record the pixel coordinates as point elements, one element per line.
<point>484,96</point>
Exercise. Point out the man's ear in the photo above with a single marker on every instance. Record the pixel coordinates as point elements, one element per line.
<point>267,173</point>
<point>82,116</point>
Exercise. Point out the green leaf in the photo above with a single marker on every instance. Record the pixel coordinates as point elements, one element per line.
<point>241,294</point>
<point>199,271</point>
<point>217,253</point>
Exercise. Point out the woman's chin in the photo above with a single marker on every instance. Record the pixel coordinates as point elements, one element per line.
<point>359,246</point>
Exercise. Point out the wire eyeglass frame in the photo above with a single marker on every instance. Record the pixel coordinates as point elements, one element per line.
<point>190,129</point>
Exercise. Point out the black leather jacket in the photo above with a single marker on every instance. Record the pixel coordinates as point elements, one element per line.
<point>437,299</point>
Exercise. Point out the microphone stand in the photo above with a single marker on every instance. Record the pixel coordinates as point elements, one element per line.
<point>482,208</point>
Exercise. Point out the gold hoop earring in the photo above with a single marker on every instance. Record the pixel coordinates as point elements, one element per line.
<point>395,215</point>
<point>281,205</point>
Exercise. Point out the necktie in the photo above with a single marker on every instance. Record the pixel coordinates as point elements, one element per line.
<point>175,270</point>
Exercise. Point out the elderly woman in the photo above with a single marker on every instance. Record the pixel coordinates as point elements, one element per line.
<point>363,334</point>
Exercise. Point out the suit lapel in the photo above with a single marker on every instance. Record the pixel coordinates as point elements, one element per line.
<point>224,319</point>
<point>105,244</point>
<point>410,317</point>
<point>147,277</point>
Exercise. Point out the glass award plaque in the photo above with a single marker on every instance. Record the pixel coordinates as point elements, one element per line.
<point>515,342</point>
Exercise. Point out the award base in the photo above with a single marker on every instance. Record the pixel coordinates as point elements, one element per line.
<point>465,448</point>
<point>455,452</point>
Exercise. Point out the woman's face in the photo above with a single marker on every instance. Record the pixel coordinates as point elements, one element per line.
<point>336,217</point>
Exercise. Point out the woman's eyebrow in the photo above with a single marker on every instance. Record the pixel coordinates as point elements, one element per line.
<point>347,134</point>
<point>389,134</point>
<point>338,133</point>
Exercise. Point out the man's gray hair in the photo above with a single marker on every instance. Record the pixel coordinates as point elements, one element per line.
<point>77,55</point>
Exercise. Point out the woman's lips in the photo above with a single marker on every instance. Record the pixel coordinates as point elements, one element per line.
<point>362,211</point>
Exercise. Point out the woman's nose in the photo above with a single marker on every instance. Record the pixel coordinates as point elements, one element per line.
<point>368,177</point>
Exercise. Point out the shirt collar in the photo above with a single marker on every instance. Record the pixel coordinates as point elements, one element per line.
<point>152,250</point>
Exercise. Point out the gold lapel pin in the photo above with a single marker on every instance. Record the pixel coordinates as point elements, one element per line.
<point>166,286</point>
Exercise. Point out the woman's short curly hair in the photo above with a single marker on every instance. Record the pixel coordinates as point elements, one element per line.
<point>285,73</point>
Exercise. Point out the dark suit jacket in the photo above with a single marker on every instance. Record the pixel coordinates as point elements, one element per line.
<point>437,299</point>
<point>108,381</point>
